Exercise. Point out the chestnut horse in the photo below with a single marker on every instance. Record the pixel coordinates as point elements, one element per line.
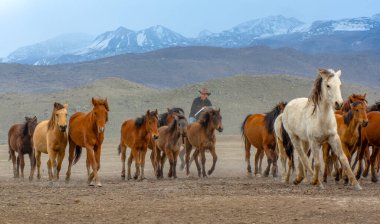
<point>258,130</point>
<point>201,135</point>
<point>50,137</point>
<point>348,131</point>
<point>87,130</point>
<point>169,142</point>
<point>20,142</point>
<point>137,134</point>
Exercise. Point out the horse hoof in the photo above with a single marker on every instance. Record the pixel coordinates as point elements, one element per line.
<point>209,172</point>
<point>99,185</point>
<point>30,178</point>
<point>358,187</point>
<point>91,184</point>
<point>122,177</point>
<point>296,182</point>
<point>266,174</point>
<point>374,179</point>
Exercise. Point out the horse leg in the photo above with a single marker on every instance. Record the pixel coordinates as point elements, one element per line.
<point>38,163</point>
<point>32,166</point>
<point>203,160</point>
<point>261,156</point>
<point>18,166</point>
<point>98,151</point>
<point>142,163</point>
<point>257,157</point>
<point>123,156</point>
<point>283,158</point>
<point>359,156</point>
<point>14,162</point>
<point>182,153</point>
<point>336,146</point>
<point>247,147</point>
<point>187,158</point>
<point>195,154</point>
<point>71,159</point>
<point>136,156</point>
<point>130,158</point>
<point>214,159</point>
<point>22,164</point>
<point>94,166</point>
<point>158,162</point>
<point>301,148</point>
<point>51,163</point>
<point>163,160</point>
<point>315,148</point>
<point>61,156</point>
<point>325,150</point>
<point>367,162</point>
<point>169,154</point>
<point>175,155</point>
<point>375,152</point>
<point>348,155</point>
<point>271,156</point>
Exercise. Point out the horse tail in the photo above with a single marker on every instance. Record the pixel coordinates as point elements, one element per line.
<point>242,126</point>
<point>10,156</point>
<point>119,149</point>
<point>78,153</point>
<point>288,145</point>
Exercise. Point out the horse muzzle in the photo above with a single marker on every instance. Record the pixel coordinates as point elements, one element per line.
<point>220,129</point>
<point>338,105</point>
<point>155,136</point>
<point>101,129</point>
<point>62,128</point>
<point>365,123</point>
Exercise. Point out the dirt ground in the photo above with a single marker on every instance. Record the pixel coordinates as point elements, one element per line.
<point>227,196</point>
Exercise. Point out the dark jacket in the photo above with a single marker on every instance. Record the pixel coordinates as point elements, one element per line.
<point>198,103</point>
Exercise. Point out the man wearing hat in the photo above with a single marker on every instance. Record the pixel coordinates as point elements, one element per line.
<point>198,104</point>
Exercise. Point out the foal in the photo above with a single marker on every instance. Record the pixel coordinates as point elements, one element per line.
<point>169,142</point>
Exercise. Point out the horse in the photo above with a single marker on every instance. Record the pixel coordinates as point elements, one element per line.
<point>348,131</point>
<point>351,99</point>
<point>311,122</point>
<point>370,137</point>
<point>258,130</point>
<point>20,141</point>
<point>169,142</point>
<point>201,135</point>
<point>50,137</point>
<point>137,134</point>
<point>87,130</point>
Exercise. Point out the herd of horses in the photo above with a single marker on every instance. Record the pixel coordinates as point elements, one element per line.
<point>323,122</point>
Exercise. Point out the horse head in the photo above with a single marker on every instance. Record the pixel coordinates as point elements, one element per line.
<point>151,123</point>
<point>329,87</point>
<point>181,124</point>
<point>212,118</point>
<point>31,123</point>
<point>100,113</point>
<point>358,109</point>
<point>59,116</point>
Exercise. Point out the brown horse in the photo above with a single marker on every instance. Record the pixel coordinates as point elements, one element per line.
<point>258,130</point>
<point>370,137</point>
<point>348,131</point>
<point>50,137</point>
<point>201,135</point>
<point>137,134</point>
<point>20,142</point>
<point>351,99</point>
<point>87,130</point>
<point>169,142</point>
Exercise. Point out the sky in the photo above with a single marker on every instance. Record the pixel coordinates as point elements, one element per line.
<point>25,22</point>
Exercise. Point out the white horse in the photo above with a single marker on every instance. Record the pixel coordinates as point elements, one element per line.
<point>310,122</point>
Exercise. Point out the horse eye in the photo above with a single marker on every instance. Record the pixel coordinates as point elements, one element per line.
<point>328,86</point>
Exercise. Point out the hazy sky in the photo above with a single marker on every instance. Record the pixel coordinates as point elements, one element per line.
<point>24,22</point>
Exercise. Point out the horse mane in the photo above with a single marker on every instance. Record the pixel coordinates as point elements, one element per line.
<point>162,117</point>
<point>375,107</point>
<point>316,92</point>
<point>204,118</point>
<point>271,116</point>
<point>25,128</point>
<point>57,106</point>
<point>140,120</point>
<point>347,117</point>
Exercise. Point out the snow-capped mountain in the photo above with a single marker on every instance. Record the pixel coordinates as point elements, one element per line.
<point>354,34</point>
<point>63,44</point>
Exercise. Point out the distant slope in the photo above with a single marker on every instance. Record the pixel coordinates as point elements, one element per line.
<point>236,96</point>
<point>175,67</point>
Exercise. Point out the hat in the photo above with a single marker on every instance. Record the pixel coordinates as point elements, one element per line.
<point>204,91</point>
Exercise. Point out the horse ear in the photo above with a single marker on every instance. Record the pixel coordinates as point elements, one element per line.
<point>168,109</point>
<point>219,110</point>
<point>66,106</point>
<point>106,104</point>
<point>156,112</point>
<point>339,73</point>
<point>27,118</point>
<point>93,101</point>
<point>56,105</point>
<point>324,73</point>
<point>365,94</point>
<point>147,112</point>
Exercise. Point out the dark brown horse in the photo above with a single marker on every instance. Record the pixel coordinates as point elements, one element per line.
<point>87,130</point>
<point>168,145</point>
<point>201,135</point>
<point>258,130</point>
<point>137,134</point>
<point>20,142</point>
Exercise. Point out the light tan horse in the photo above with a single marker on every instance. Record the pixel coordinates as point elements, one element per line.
<point>50,137</point>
